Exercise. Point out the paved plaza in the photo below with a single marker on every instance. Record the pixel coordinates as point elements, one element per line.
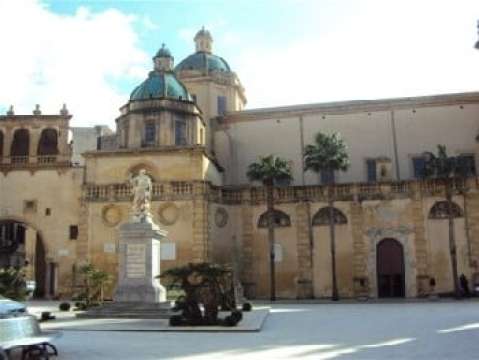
<point>425,330</point>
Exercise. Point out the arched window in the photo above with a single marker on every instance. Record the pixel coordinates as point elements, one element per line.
<point>322,217</point>
<point>150,133</point>
<point>180,132</point>
<point>20,143</point>
<point>48,144</point>
<point>281,219</point>
<point>440,210</point>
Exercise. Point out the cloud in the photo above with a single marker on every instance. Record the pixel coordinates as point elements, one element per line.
<point>148,23</point>
<point>386,49</point>
<point>51,59</point>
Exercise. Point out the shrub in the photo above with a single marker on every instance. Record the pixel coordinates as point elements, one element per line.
<point>12,283</point>
<point>95,281</point>
<point>81,306</point>
<point>247,306</point>
<point>64,306</point>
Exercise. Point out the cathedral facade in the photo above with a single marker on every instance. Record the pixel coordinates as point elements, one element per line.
<point>62,201</point>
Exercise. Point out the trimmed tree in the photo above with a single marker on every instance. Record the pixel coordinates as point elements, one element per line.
<point>270,171</point>
<point>448,170</point>
<point>329,153</point>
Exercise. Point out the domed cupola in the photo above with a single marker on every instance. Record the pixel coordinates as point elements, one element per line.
<point>203,60</point>
<point>161,82</point>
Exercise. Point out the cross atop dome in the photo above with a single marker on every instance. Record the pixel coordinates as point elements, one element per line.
<point>204,41</point>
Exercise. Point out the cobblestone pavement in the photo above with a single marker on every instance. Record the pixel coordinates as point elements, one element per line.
<point>427,330</point>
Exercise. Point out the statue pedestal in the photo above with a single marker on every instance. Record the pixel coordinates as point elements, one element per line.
<point>139,256</point>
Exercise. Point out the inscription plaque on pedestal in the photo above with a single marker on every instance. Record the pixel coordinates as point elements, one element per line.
<point>135,261</point>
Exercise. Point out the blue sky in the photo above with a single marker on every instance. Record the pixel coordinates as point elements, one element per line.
<point>90,54</point>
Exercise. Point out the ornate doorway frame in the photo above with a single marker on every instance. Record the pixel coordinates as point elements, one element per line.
<point>391,242</point>
<point>405,236</point>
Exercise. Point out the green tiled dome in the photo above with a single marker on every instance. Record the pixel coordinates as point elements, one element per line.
<point>160,84</point>
<point>203,61</point>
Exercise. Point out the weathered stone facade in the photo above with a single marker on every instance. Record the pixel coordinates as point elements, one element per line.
<point>197,156</point>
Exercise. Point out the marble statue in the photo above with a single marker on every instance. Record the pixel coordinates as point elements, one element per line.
<point>141,190</point>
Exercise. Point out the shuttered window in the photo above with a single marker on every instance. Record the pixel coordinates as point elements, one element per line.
<point>371,168</point>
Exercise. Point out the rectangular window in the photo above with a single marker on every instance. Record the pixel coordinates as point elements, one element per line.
<point>180,132</point>
<point>419,166</point>
<point>468,164</point>
<point>327,177</point>
<point>371,168</point>
<point>221,105</point>
<point>73,232</point>
<point>150,133</point>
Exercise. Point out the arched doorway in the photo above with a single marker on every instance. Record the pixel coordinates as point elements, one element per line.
<point>22,246</point>
<point>390,269</point>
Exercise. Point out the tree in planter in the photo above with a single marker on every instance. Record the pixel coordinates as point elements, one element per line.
<point>270,171</point>
<point>94,284</point>
<point>203,284</point>
<point>448,170</point>
<point>328,154</point>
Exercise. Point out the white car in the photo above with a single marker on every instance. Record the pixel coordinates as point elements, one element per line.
<point>10,308</point>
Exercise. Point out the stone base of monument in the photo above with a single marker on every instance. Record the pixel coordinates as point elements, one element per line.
<point>139,255</point>
<point>129,310</point>
<point>139,293</point>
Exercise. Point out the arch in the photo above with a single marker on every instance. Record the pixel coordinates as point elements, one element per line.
<point>321,218</point>
<point>13,249</point>
<point>20,143</point>
<point>390,268</point>
<point>281,219</point>
<point>1,144</point>
<point>48,143</point>
<point>440,210</point>
<point>150,168</point>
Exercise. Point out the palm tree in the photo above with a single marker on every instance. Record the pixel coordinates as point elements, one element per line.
<point>447,169</point>
<point>329,153</point>
<point>270,170</point>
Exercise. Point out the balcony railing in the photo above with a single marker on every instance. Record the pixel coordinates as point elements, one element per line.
<point>41,161</point>
<point>174,190</point>
<point>182,190</point>
<point>15,160</point>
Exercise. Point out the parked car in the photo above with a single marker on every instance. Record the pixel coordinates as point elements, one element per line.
<point>10,308</point>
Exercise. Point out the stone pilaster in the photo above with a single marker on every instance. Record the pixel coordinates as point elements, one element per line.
<point>304,245</point>
<point>472,204</point>
<point>422,261</point>
<point>33,146</point>
<point>82,243</point>
<point>200,224</point>
<point>7,142</point>
<point>247,270</point>
<point>360,251</point>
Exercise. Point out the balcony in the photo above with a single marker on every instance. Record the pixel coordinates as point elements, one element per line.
<point>33,162</point>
